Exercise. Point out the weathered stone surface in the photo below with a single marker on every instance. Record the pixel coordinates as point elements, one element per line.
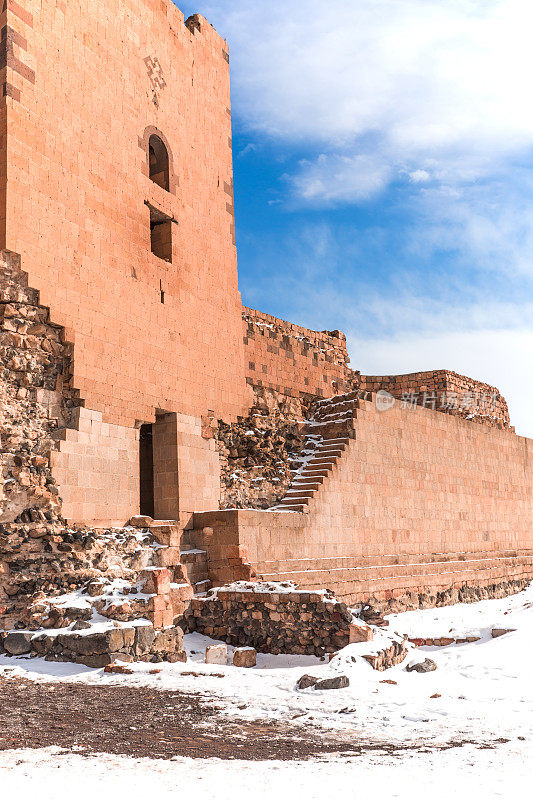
<point>257,453</point>
<point>272,620</point>
<point>245,657</point>
<point>216,654</point>
<point>496,632</point>
<point>338,682</point>
<point>360,633</point>
<point>99,649</point>
<point>428,665</point>
<point>17,644</point>
<point>140,521</point>
<point>388,657</point>
<point>306,681</point>
<point>144,636</point>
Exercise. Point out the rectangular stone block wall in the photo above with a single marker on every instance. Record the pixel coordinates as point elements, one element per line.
<point>293,360</point>
<point>87,84</point>
<point>418,500</point>
<point>96,467</point>
<point>186,469</point>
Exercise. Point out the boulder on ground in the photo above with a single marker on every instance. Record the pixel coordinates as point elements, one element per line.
<point>421,666</point>
<point>306,681</point>
<point>18,644</point>
<point>360,633</point>
<point>496,632</point>
<point>339,682</point>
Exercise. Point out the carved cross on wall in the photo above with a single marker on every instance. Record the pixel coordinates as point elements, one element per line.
<point>156,77</point>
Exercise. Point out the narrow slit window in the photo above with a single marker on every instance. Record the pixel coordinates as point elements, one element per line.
<point>161,235</point>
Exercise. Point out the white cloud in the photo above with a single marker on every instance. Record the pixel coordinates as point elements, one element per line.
<point>437,86</point>
<point>433,96</point>
<point>419,176</point>
<point>336,177</point>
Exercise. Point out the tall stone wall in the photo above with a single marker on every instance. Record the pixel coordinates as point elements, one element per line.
<point>87,84</point>
<point>294,361</point>
<point>417,508</point>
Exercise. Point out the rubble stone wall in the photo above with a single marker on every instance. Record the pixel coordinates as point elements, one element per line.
<point>275,622</point>
<point>449,392</point>
<point>258,452</point>
<point>36,398</point>
<point>138,643</point>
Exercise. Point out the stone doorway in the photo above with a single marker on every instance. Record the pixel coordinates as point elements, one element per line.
<point>146,470</point>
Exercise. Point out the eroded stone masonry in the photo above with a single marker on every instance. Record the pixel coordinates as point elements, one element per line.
<point>158,439</point>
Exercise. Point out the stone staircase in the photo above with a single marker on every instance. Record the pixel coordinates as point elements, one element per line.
<point>328,434</point>
<point>179,572</point>
<point>194,562</point>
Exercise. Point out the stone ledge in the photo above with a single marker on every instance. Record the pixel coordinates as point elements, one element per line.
<point>139,643</point>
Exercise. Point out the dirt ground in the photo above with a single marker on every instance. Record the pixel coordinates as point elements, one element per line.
<point>142,722</point>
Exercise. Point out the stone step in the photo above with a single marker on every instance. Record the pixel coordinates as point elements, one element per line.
<point>201,587</point>
<point>355,394</point>
<point>193,556</point>
<point>333,428</point>
<point>340,407</point>
<point>322,462</point>
<point>180,592</point>
<point>321,472</point>
<point>392,562</point>
<point>188,540</point>
<point>287,508</point>
<point>195,572</point>
<point>301,475</point>
<point>327,450</point>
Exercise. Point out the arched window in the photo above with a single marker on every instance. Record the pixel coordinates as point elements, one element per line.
<point>159,162</point>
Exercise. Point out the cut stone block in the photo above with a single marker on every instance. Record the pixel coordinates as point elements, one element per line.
<point>140,521</point>
<point>360,633</point>
<point>245,657</point>
<point>216,654</point>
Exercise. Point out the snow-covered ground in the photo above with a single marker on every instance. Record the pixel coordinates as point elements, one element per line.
<point>465,773</point>
<point>480,692</point>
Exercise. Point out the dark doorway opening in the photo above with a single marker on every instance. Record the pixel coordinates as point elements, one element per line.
<point>146,470</point>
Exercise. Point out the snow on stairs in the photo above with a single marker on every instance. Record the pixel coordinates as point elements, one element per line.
<point>194,561</point>
<point>186,567</point>
<point>328,434</point>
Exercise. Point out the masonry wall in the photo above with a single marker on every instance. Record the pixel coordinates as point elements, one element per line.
<point>96,467</point>
<point>446,391</point>
<point>295,361</point>
<point>420,502</point>
<point>86,83</point>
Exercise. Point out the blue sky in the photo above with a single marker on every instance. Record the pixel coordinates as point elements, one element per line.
<point>383,155</point>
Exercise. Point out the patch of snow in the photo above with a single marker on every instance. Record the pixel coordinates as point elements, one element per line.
<point>479,691</point>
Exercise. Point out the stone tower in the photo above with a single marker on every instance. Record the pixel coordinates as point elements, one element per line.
<point>117,194</point>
